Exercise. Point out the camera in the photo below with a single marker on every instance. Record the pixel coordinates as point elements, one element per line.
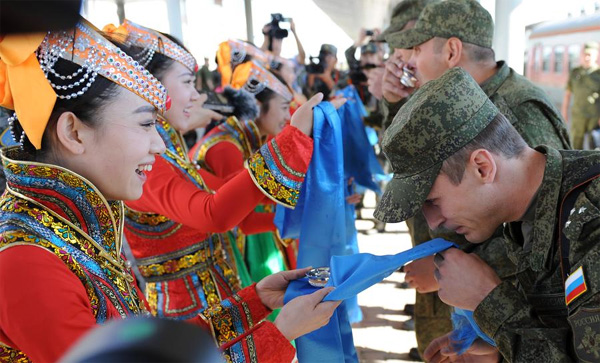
<point>316,65</point>
<point>275,31</point>
<point>369,32</point>
<point>218,103</point>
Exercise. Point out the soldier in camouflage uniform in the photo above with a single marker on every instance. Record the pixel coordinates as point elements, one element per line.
<point>584,86</point>
<point>459,33</point>
<point>461,162</point>
<point>395,93</point>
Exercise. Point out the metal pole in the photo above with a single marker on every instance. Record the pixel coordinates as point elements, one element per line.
<point>120,10</point>
<point>249,32</point>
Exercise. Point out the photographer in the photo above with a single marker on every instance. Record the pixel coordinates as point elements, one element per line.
<point>370,52</point>
<point>274,36</point>
<point>323,76</point>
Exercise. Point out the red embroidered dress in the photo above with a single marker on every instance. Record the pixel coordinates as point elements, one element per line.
<point>223,151</point>
<point>61,272</point>
<point>175,229</point>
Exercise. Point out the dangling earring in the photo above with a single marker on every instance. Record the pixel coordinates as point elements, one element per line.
<point>11,125</point>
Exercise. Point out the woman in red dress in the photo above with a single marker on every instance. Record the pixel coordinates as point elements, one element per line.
<point>85,117</point>
<point>177,229</point>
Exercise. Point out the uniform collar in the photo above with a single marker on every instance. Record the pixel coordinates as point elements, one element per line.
<point>545,210</point>
<point>491,85</point>
<point>68,196</point>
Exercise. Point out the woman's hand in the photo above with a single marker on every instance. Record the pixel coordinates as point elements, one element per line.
<point>304,314</point>
<point>200,117</point>
<point>271,289</point>
<point>303,117</point>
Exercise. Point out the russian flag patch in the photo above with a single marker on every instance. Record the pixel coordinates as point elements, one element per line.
<point>575,285</point>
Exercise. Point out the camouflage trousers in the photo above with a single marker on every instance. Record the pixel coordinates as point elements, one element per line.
<point>432,316</point>
<point>579,126</point>
<point>432,319</point>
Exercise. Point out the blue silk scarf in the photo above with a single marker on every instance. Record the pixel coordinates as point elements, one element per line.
<point>321,221</point>
<point>360,161</point>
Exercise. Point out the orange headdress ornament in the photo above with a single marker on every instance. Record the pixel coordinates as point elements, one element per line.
<point>254,78</point>
<point>151,41</point>
<point>232,53</point>
<point>28,85</point>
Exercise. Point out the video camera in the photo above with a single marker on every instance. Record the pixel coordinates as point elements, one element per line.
<point>275,30</point>
<point>357,75</point>
<point>316,65</point>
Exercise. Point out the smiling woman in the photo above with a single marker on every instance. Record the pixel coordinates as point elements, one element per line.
<point>178,229</point>
<point>61,216</point>
<point>225,148</point>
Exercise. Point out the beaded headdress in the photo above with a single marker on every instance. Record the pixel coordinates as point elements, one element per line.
<point>233,52</point>
<point>152,41</point>
<point>29,84</point>
<point>254,78</point>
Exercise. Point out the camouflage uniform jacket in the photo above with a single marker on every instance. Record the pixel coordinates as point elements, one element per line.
<point>389,111</point>
<point>585,86</point>
<point>532,114</point>
<point>527,108</point>
<point>531,321</point>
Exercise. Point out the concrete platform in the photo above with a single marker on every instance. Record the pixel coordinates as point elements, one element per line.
<point>380,337</point>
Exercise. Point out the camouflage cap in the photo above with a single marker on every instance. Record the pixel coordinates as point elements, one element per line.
<point>402,13</point>
<point>370,47</point>
<point>328,48</point>
<point>590,46</point>
<point>437,120</point>
<point>466,20</point>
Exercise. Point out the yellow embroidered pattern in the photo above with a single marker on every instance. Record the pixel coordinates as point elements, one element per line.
<point>13,204</point>
<point>263,178</point>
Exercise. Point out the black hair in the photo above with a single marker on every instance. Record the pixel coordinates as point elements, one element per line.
<point>86,107</point>
<point>160,62</point>
<point>267,95</point>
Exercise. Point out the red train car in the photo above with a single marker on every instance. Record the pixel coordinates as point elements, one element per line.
<point>554,48</point>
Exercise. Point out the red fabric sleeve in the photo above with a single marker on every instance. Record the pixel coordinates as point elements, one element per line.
<point>271,345</point>
<point>225,160</point>
<point>169,193</point>
<point>213,181</point>
<point>257,340</point>
<point>44,308</point>
<point>257,223</point>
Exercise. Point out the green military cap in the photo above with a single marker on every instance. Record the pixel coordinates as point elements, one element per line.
<point>328,48</point>
<point>437,120</point>
<point>590,46</point>
<point>370,47</point>
<point>466,20</point>
<point>402,13</point>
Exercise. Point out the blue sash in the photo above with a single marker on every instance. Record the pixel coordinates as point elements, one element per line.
<point>360,161</point>
<point>325,228</point>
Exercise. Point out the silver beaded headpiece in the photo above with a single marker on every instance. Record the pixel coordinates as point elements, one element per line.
<point>95,55</point>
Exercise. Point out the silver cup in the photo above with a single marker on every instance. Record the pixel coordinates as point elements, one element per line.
<point>318,277</point>
<point>408,78</point>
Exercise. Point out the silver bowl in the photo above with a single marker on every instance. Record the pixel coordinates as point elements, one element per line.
<point>408,78</point>
<point>318,277</point>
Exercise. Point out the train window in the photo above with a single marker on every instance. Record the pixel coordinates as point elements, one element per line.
<point>547,51</point>
<point>559,55</point>
<point>574,54</point>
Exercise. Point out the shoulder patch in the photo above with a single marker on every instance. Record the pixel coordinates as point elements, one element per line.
<point>585,324</point>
